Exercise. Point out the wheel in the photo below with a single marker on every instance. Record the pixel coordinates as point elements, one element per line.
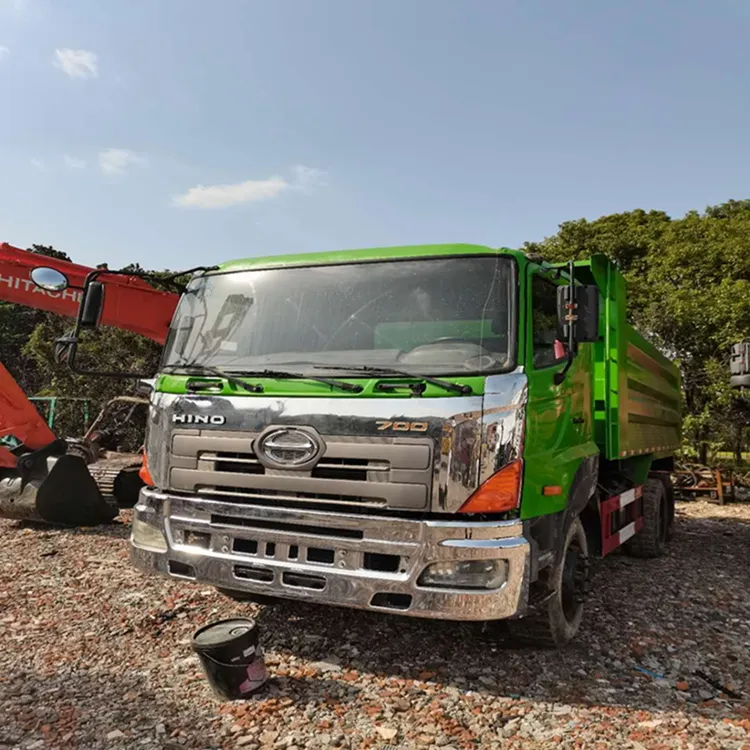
<point>651,540</point>
<point>246,596</point>
<point>557,621</point>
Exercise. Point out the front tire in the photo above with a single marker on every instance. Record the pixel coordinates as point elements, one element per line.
<point>558,620</point>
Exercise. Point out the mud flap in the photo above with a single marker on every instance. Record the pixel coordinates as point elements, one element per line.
<point>65,494</point>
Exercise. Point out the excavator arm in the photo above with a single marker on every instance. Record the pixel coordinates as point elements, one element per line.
<point>19,419</point>
<point>130,303</point>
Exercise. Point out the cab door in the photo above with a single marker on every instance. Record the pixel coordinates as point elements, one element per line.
<point>558,416</point>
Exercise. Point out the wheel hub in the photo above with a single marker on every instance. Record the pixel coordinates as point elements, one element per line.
<point>575,581</point>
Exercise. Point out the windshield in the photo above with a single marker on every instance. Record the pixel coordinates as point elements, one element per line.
<point>432,316</point>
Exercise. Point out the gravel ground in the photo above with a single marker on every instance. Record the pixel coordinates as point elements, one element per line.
<point>96,655</point>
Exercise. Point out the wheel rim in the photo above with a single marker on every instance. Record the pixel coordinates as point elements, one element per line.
<point>663,520</point>
<point>573,578</point>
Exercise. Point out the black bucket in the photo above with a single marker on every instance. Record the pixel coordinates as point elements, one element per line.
<point>231,657</point>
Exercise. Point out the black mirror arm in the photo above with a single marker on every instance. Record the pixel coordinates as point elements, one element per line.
<point>559,377</point>
<point>571,317</point>
<point>169,280</point>
<point>73,340</point>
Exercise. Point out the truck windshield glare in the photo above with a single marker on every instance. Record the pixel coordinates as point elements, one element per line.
<point>432,316</point>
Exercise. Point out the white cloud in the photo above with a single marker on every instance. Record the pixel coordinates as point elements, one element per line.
<point>77,63</point>
<point>223,196</point>
<point>307,177</point>
<point>4,52</point>
<point>38,164</point>
<point>117,160</point>
<point>71,162</point>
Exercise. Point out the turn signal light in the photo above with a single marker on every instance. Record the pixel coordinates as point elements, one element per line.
<point>499,493</point>
<point>144,473</point>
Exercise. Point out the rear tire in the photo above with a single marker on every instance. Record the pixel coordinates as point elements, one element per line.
<point>558,621</point>
<point>651,540</point>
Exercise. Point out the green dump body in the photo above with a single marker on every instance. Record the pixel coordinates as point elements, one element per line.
<point>636,388</point>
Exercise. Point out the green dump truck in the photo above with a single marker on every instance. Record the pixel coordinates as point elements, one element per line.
<point>447,431</point>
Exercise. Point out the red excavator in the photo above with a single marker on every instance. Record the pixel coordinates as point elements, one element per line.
<point>45,478</point>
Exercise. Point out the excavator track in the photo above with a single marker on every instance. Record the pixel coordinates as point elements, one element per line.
<point>118,479</point>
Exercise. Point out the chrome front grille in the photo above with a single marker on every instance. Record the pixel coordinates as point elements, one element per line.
<point>371,472</point>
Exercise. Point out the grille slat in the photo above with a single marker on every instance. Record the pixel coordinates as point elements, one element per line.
<point>249,459</point>
<point>303,498</point>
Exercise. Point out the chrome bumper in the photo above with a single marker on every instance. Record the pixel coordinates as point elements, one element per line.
<point>367,562</point>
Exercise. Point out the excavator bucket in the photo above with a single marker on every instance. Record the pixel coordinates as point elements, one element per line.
<point>63,493</point>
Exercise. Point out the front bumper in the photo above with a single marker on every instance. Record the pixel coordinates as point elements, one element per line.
<point>367,562</point>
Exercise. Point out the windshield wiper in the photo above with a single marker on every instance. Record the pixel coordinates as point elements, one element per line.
<point>233,376</point>
<point>464,390</point>
<point>200,369</point>
<point>288,374</point>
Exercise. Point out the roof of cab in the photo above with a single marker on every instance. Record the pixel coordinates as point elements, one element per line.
<point>365,255</point>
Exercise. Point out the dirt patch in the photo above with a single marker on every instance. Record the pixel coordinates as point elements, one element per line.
<point>95,655</point>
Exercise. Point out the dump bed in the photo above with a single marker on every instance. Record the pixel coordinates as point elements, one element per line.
<point>636,388</point>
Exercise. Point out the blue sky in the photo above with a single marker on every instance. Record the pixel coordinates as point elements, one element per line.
<point>172,132</point>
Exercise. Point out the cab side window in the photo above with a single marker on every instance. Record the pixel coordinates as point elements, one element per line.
<point>544,324</point>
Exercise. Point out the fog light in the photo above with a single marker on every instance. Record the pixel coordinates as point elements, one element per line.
<point>465,574</point>
<point>145,536</point>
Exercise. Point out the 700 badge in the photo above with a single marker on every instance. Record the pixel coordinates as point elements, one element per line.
<point>402,426</point>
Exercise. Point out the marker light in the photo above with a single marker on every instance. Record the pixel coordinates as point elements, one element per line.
<point>501,492</point>
<point>144,473</point>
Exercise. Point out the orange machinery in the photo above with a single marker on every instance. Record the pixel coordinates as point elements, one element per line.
<point>38,480</point>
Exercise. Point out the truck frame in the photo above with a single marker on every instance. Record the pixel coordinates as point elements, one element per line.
<point>448,431</point>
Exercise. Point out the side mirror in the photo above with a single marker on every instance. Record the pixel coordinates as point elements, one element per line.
<point>49,279</point>
<point>145,386</point>
<point>93,304</point>
<point>583,315</point>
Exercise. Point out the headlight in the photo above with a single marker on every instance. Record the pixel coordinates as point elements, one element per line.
<point>146,536</point>
<point>465,574</point>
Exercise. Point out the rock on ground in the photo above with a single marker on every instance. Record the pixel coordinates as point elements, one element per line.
<point>95,655</point>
